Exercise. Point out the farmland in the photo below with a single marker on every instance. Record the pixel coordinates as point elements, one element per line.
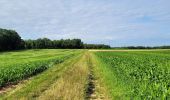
<point>64,74</point>
<point>136,74</point>
<point>16,66</point>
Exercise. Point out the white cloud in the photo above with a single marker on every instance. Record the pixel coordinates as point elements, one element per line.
<point>90,20</point>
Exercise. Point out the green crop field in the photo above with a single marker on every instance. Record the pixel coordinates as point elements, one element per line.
<point>67,74</point>
<point>140,75</point>
<point>15,66</point>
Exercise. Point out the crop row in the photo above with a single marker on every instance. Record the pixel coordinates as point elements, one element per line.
<point>14,73</point>
<point>144,75</point>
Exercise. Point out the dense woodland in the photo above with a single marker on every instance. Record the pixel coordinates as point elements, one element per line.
<point>46,43</point>
<point>10,40</point>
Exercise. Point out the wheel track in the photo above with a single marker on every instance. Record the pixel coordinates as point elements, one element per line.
<point>93,87</point>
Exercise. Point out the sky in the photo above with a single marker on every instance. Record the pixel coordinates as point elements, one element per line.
<point>112,22</point>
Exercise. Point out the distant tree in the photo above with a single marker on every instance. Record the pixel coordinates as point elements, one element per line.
<point>10,40</point>
<point>143,47</point>
<point>96,46</point>
<point>29,44</point>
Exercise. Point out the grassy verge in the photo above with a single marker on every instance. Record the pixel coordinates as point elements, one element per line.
<point>107,82</point>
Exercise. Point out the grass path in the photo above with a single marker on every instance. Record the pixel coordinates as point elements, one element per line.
<point>71,85</point>
<point>80,82</point>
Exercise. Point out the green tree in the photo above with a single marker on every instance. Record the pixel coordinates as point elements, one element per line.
<point>10,40</point>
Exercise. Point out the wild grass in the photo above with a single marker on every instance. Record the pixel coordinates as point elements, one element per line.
<point>107,81</point>
<point>71,85</point>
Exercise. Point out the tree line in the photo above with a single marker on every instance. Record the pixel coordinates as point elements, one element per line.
<point>10,40</point>
<point>45,43</point>
<point>96,46</point>
<point>143,47</point>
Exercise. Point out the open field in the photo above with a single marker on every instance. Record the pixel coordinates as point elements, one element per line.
<point>81,74</point>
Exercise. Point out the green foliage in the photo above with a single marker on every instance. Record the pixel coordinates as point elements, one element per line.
<point>143,75</point>
<point>10,40</point>
<point>46,43</point>
<point>96,46</point>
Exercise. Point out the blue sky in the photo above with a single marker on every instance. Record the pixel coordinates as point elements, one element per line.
<point>113,22</point>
